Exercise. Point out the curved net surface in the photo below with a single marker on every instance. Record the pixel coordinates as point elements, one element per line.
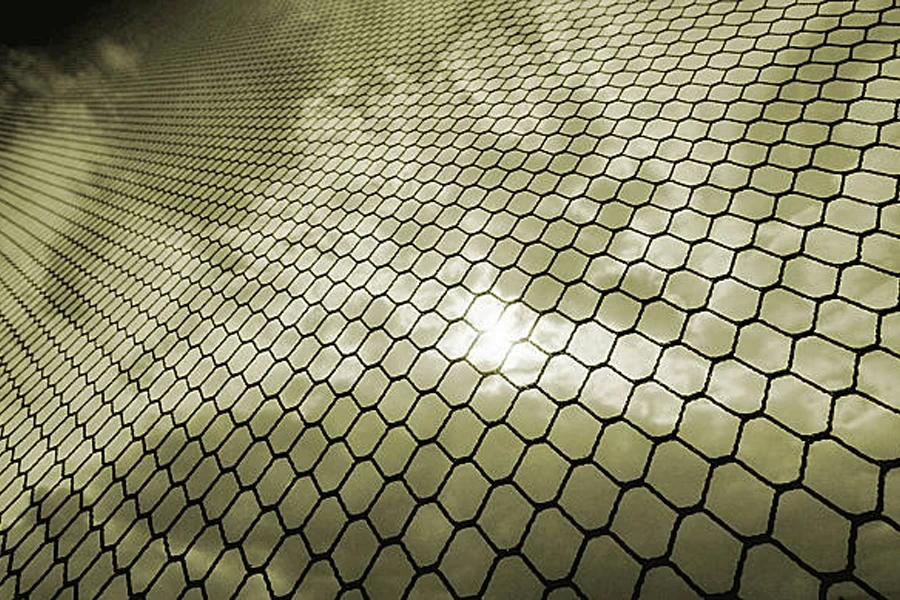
<point>487,298</point>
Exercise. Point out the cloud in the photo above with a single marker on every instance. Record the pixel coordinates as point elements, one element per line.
<point>118,57</point>
<point>27,73</point>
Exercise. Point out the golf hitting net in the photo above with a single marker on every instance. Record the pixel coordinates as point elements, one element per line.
<point>454,299</point>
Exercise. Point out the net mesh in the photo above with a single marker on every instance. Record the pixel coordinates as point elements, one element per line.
<point>487,298</point>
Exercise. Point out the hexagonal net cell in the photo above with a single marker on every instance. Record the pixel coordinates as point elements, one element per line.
<point>486,298</point>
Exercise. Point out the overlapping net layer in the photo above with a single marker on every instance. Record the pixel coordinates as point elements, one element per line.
<point>487,298</point>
